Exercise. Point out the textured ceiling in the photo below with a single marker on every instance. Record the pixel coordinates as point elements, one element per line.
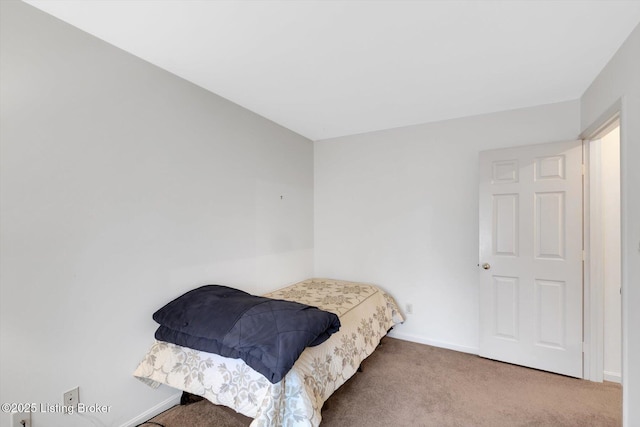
<point>332,68</point>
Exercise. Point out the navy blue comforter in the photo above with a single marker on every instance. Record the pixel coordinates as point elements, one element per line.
<point>267,334</point>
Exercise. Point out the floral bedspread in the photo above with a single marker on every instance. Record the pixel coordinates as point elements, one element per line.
<point>366,314</point>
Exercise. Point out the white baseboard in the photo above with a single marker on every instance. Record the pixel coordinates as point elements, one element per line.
<point>441,344</point>
<point>170,402</point>
<point>614,377</point>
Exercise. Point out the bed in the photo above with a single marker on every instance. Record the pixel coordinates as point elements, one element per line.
<point>366,314</point>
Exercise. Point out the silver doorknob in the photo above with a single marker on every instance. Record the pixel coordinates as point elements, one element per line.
<point>486,266</point>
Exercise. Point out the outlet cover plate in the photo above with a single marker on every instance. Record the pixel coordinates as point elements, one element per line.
<point>409,309</point>
<point>18,417</point>
<point>72,398</point>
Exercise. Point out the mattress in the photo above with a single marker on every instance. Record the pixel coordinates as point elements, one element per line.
<point>366,314</point>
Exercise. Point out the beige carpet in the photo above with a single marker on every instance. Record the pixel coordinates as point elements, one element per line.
<point>409,384</point>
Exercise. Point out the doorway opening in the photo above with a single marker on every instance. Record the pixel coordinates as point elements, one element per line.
<point>604,261</point>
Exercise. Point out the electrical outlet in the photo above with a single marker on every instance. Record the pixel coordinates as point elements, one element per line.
<point>18,418</point>
<point>72,398</point>
<point>409,308</point>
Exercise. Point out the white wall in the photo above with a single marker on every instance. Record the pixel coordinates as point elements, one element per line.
<point>619,82</point>
<point>610,181</point>
<point>400,208</point>
<point>123,186</point>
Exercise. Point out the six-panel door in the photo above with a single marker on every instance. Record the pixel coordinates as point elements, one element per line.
<point>531,253</point>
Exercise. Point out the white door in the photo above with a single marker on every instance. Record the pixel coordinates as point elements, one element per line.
<point>531,256</point>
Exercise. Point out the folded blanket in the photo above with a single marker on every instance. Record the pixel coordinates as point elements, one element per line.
<point>268,334</point>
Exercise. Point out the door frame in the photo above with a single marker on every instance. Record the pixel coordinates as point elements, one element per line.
<point>593,268</point>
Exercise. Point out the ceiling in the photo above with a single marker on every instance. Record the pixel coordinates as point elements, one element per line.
<point>332,68</point>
